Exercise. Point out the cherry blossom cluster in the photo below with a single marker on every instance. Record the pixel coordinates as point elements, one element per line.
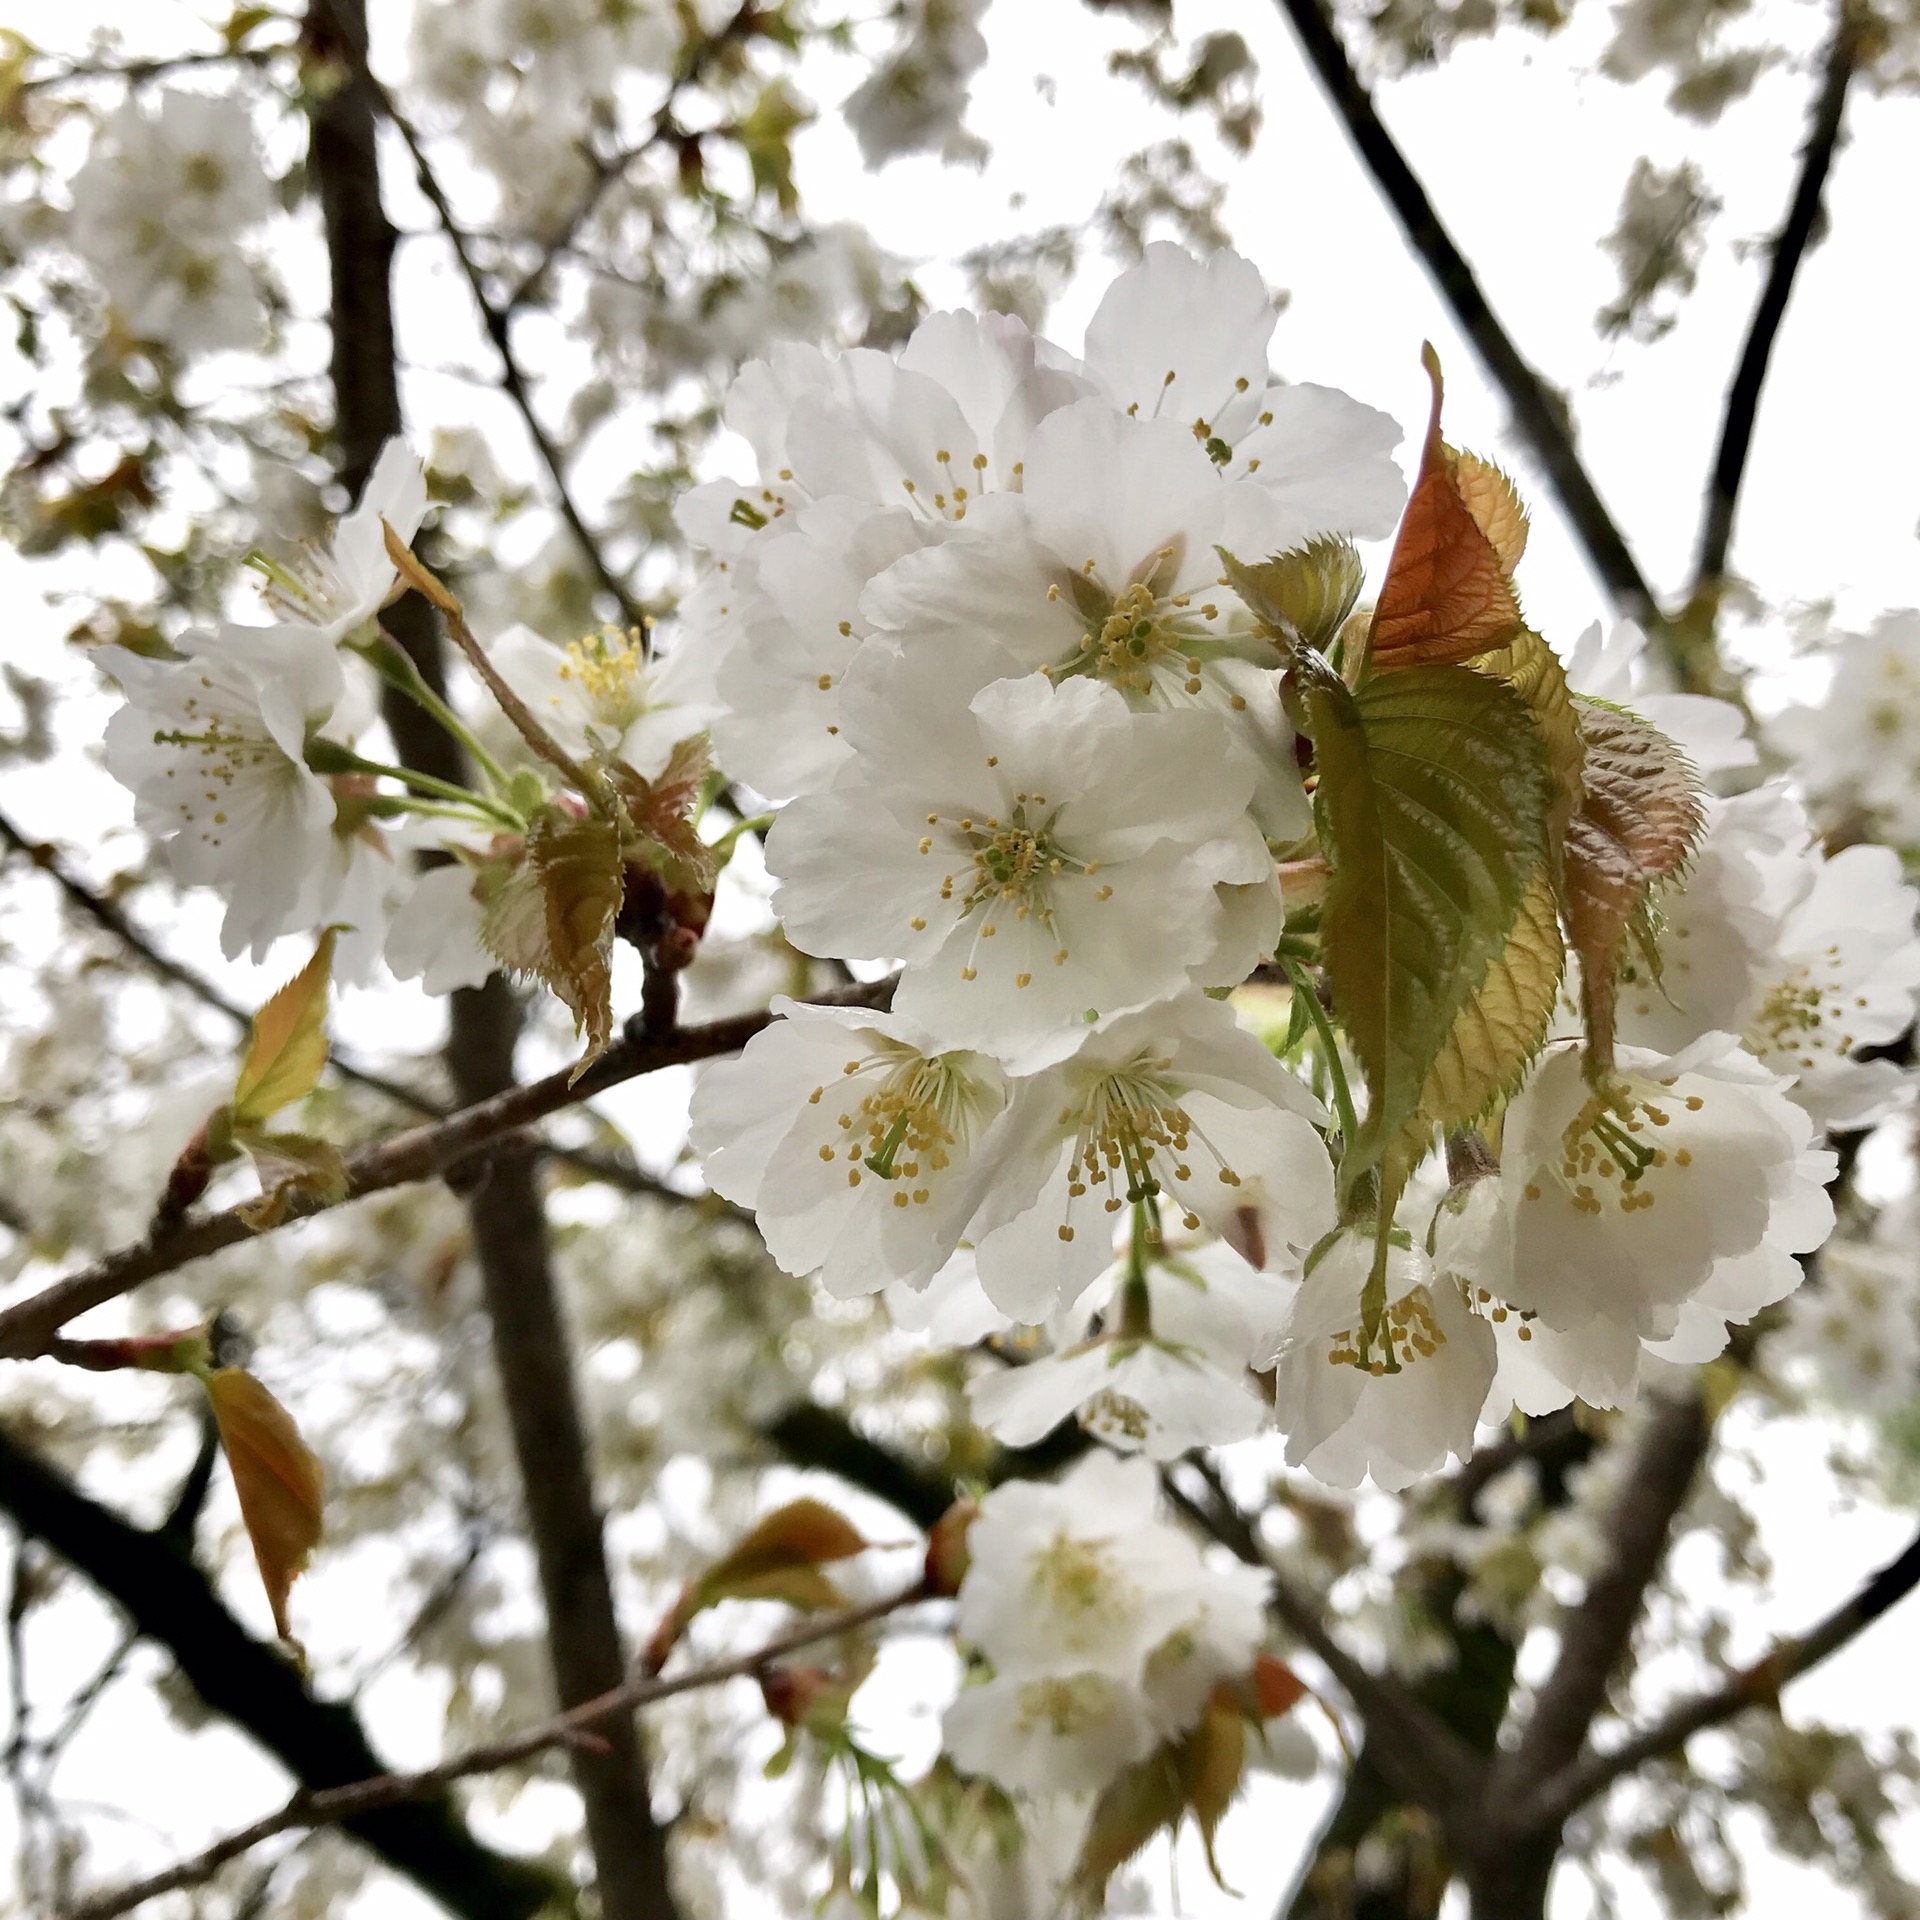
<point>967,625</point>
<point>968,631</point>
<point>160,208</point>
<point>1103,1629</point>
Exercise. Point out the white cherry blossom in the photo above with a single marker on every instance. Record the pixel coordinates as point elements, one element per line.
<point>1807,958</point>
<point>1177,1382</point>
<point>1079,1576</point>
<point>1185,340</point>
<point>1397,1411</point>
<point>1856,1330</point>
<point>158,207</point>
<point>799,624</point>
<point>1050,1734</point>
<point>336,587</point>
<point>433,933</point>
<point>1030,851</point>
<point>1858,750</point>
<point>855,1139</point>
<point>1105,567</point>
<point>213,747</point>
<point>1623,1201</point>
<point>1177,1105</point>
<point>604,694</point>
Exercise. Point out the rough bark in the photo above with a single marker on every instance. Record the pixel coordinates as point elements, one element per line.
<point>152,1579</point>
<point>531,1347</point>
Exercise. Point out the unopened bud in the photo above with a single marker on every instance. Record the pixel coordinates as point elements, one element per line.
<point>947,1555</point>
<point>791,1693</point>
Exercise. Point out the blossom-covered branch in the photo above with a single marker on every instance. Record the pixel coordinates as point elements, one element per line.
<point>1757,1685</point>
<point>419,1154</point>
<point>330,1805</point>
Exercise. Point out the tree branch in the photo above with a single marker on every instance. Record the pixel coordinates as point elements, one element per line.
<point>418,1154</point>
<point>1595,1634</point>
<point>614,1171</point>
<point>152,1578</point>
<point>350,36</point>
<point>1539,416</point>
<point>1756,1686</point>
<point>570,1729</point>
<point>1789,248</point>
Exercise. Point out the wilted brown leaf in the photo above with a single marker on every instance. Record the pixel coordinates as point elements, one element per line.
<point>1639,820</point>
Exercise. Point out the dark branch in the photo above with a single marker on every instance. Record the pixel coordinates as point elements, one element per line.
<point>1540,418</point>
<point>1756,1686</point>
<point>589,1721</point>
<point>1789,248</point>
<point>351,40</point>
<point>615,1170</point>
<point>421,1153</point>
<point>1595,1634</point>
<point>166,1597</point>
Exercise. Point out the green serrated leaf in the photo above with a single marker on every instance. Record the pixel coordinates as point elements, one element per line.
<point>1303,594</point>
<point>287,1047</point>
<point>1533,670</point>
<point>1135,1805</point>
<point>1504,1021</point>
<point>1433,805</point>
<point>1639,821</point>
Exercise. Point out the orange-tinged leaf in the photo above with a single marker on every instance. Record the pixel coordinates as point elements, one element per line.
<point>1639,820</point>
<point>802,1533</point>
<point>280,1484</point>
<point>1276,1687</point>
<point>660,833</point>
<point>1494,501</point>
<point>1212,1758</point>
<point>288,1045</point>
<point>779,1559</point>
<point>1446,596</point>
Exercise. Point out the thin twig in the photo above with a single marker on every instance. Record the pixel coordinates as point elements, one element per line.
<point>609,167</point>
<point>1423,1756</point>
<point>104,913</point>
<point>1756,1686</point>
<point>1788,250</point>
<point>418,1154</point>
<point>609,1168</point>
<point>332,1804</point>
<point>1539,416</point>
<point>493,318</point>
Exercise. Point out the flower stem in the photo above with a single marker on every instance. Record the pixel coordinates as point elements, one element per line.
<point>1306,995</point>
<point>395,666</point>
<point>327,756</point>
<point>531,731</point>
